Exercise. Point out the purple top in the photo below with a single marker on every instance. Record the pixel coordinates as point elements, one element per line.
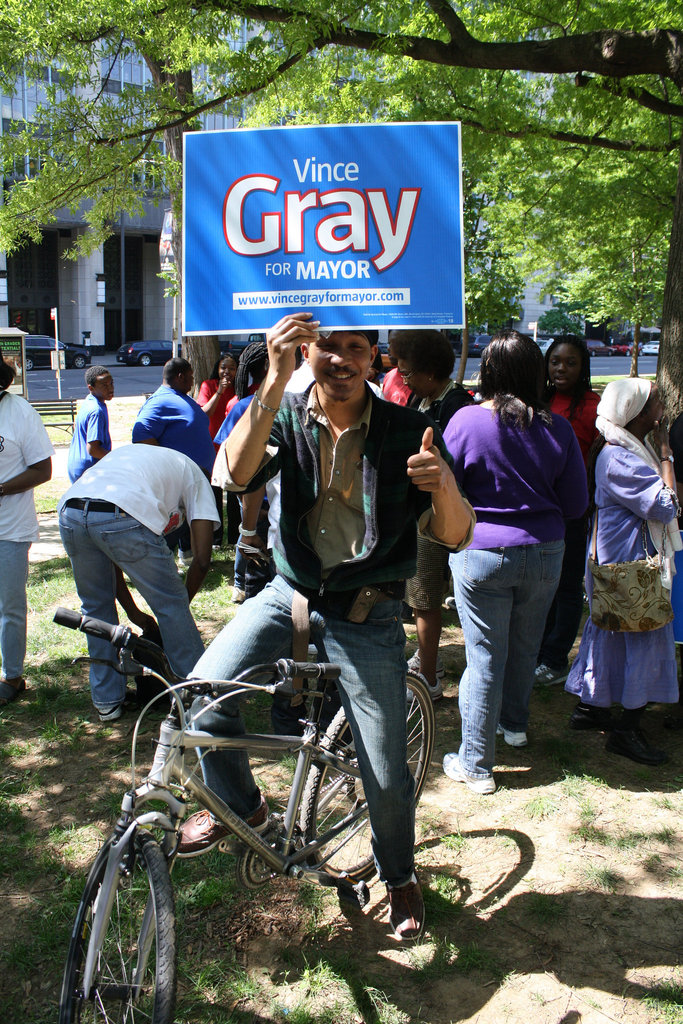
<point>521,483</point>
<point>627,491</point>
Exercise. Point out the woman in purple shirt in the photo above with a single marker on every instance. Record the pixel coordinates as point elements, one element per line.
<point>521,468</point>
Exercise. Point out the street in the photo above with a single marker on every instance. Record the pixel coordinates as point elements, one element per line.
<point>143,380</point>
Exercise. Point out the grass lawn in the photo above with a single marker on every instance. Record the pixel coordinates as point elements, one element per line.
<point>557,899</point>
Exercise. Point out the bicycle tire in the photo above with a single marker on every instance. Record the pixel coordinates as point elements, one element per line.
<point>112,998</point>
<point>329,794</point>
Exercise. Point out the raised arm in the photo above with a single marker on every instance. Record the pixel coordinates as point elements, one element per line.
<point>247,442</point>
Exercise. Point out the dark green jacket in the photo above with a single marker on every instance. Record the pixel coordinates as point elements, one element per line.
<point>392,504</point>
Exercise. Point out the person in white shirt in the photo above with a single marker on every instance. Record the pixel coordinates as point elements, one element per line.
<point>25,462</point>
<point>117,514</point>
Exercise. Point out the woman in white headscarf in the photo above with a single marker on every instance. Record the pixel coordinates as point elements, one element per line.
<point>630,483</point>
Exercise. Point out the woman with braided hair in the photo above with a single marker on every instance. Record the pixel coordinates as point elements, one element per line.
<point>251,371</point>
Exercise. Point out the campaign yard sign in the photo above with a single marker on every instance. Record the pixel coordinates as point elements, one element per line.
<point>360,224</point>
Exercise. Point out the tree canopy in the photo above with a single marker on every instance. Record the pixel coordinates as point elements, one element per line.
<point>550,88</point>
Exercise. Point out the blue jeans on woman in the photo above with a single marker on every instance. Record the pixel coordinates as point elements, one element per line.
<point>373,693</point>
<point>13,578</point>
<point>503,596</point>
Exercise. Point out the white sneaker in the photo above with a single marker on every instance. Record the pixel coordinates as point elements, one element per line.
<point>547,676</point>
<point>238,596</point>
<point>513,739</point>
<point>435,691</point>
<point>414,666</point>
<point>483,784</point>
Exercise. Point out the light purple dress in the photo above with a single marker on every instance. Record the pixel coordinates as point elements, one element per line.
<point>625,668</point>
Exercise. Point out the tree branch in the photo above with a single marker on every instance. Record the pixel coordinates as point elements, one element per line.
<point>643,97</point>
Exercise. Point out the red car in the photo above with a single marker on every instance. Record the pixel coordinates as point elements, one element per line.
<point>598,348</point>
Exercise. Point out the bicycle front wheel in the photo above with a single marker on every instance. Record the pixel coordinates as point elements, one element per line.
<point>135,973</point>
<point>331,796</point>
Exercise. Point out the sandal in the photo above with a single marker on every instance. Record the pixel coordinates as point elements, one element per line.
<point>10,692</point>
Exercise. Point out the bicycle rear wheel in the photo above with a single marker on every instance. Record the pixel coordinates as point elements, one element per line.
<point>330,795</point>
<point>135,975</point>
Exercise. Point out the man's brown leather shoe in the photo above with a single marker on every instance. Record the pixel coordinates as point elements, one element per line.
<point>201,832</point>
<point>406,910</point>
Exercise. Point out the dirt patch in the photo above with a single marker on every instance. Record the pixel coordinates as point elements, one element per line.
<point>553,901</point>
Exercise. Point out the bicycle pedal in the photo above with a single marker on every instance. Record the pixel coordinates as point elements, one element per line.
<point>357,895</point>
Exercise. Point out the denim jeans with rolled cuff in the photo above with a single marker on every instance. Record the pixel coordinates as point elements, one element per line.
<point>503,596</point>
<point>373,692</point>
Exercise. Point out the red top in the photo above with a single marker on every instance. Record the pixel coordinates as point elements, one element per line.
<point>583,418</point>
<point>393,388</point>
<point>206,393</point>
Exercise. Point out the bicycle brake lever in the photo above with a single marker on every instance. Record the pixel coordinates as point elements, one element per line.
<point>85,660</point>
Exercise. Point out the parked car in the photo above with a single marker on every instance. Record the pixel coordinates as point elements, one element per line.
<point>478,344</point>
<point>621,348</point>
<point>598,348</point>
<point>145,353</point>
<point>39,347</point>
<point>236,346</point>
<point>650,348</point>
<point>544,344</point>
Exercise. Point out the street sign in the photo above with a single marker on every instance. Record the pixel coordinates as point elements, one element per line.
<point>361,224</point>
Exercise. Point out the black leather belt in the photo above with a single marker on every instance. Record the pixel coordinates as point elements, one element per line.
<point>93,505</point>
<point>339,602</point>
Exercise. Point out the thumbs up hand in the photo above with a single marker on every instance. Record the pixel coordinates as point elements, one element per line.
<point>426,469</point>
<point>427,439</point>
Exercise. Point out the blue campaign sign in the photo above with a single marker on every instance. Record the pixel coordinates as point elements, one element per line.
<point>361,224</point>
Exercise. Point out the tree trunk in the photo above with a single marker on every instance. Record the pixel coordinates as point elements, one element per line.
<point>464,351</point>
<point>202,351</point>
<point>670,363</point>
<point>635,352</point>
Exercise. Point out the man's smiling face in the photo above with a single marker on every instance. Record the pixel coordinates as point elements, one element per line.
<point>340,362</point>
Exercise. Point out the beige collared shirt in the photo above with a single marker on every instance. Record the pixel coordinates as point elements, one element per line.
<point>336,522</point>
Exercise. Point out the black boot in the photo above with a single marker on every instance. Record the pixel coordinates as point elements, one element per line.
<point>633,743</point>
<point>586,716</point>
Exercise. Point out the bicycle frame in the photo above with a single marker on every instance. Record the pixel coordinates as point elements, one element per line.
<point>169,768</point>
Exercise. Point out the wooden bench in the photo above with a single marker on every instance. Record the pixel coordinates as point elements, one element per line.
<point>65,408</point>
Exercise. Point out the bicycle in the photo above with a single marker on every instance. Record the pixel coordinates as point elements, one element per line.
<point>122,954</point>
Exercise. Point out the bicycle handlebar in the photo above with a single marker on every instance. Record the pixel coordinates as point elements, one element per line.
<point>118,636</point>
<point>122,637</point>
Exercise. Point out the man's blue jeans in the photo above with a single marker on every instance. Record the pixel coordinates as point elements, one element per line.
<point>95,541</point>
<point>373,693</point>
<point>503,596</point>
<point>13,577</point>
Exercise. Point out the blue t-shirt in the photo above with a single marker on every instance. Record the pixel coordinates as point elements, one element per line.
<point>92,424</point>
<point>233,416</point>
<point>175,421</point>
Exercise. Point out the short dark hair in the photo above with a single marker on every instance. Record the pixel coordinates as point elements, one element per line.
<point>512,377</point>
<point>7,374</point>
<point>174,367</point>
<point>93,372</point>
<point>426,351</point>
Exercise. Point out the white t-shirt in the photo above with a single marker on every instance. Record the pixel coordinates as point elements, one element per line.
<point>23,442</point>
<point>157,486</point>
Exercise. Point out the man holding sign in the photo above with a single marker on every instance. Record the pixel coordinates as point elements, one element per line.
<point>359,477</point>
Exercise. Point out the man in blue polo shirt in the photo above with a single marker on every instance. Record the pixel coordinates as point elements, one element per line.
<point>171,419</point>
<point>91,440</point>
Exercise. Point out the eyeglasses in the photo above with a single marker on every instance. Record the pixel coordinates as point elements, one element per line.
<point>407,374</point>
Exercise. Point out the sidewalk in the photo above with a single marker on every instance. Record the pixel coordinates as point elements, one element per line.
<point>50,543</point>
